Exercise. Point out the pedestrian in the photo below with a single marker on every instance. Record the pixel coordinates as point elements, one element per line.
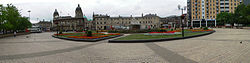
<point>14,33</point>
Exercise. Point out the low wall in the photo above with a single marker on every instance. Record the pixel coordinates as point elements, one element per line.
<point>8,35</point>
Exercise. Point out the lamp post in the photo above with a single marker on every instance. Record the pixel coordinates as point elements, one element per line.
<point>182,17</point>
<point>56,28</point>
<point>29,14</point>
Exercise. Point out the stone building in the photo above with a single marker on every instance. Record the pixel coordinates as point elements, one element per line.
<point>105,22</point>
<point>90,25</point>
<point>174,21</point>
<point>45,25</point>
<point>171,22</point>
<point>68,23</point>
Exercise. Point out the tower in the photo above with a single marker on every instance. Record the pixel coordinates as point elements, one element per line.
<point>78,12</point>
<point>56,14</point>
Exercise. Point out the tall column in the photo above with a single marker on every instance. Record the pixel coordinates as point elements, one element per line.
<point>215,23</point>
<point>192,24</point>
<point>200,23</point>
<point>206,23</point>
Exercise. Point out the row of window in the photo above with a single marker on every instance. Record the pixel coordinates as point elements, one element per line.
<point>204,17</point>
<point>141,22</point>
<point>70,23</point>
<point>124,18</point>
<point>106,27</point>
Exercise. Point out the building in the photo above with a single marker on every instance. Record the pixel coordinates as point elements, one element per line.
<point>105,22</point>
<point>90,25</point>
<point>246,2</point>
<point>45,25</point>
<point>203,12</point>
<point>171,22</point>
<point>68,23</point>
<point>174,21</point>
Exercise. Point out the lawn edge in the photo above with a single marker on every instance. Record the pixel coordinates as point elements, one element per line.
<point>158,40</point>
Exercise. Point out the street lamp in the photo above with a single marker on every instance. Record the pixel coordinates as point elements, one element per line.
<point>29,14</point>
<point>182,17</point>
<point>56,28</point>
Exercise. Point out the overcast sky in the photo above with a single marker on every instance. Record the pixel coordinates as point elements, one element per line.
<point>43,9</point>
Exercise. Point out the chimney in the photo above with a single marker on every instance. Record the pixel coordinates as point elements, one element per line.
<point>142,15</point>
<point>130,15</point>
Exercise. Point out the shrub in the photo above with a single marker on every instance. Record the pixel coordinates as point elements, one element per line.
<point>162,30</point>
<point>89,33</point>
<point>205,28</point>
<point>60,32</point>
<point>191,27</point>
<point>172,29</point>
<point>201,27</point>
<point>112,31</point>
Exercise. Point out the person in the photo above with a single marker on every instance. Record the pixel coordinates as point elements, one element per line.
<point>14,33</point>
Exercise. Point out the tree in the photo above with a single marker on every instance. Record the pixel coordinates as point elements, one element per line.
<point>23,23</point>
<point>11,20</point>
<point>12,16</point>
<point>241,14</point>
<point>224,18</point>
<point>1,17</point>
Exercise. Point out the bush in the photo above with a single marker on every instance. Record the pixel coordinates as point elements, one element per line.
<point>89,33</point>
<point>172,29</point>
<point>60,32</point>
<point>201,27</point>
<point>191,27</point>
<point>162,30</point>
<point>205,28</point>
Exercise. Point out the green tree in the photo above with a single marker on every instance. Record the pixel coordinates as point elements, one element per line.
<point>11,20</point>
<point>23,23</point>
<point>12,16</point>
<point>224,18</point>
<point>241,14</point>
<point>1,17</point>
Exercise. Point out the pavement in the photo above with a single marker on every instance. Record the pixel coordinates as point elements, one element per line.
<point>223,46</point>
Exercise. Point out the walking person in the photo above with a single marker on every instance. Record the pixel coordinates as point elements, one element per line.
<point>14,33</point>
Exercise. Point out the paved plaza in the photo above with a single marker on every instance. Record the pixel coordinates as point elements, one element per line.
<point>223,46</point>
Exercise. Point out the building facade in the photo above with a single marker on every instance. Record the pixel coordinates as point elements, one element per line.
<point>105,22</point>
<point>45,25</point>
<point>203,12</point>
<point>171,22</point>
<point>68,23</point>
<point>246,2</point>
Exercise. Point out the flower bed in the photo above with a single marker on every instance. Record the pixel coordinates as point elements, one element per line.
<point>84,36</point>
<point>165,32</point>
<point>63,34</point>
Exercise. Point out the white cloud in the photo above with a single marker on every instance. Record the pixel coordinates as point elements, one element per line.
<point>43,9</point>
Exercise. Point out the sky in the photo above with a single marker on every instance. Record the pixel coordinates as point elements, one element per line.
<point>43,9</point>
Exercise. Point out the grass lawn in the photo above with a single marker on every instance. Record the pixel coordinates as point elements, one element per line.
<point>143,37</point>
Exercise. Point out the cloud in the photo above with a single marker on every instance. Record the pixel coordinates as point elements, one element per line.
<point>43,9</point>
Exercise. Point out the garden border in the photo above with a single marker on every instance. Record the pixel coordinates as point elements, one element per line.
<point>86,40</point>
<point>157,40</point>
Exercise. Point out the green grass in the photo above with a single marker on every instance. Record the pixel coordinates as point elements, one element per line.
<point>145,37</point>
